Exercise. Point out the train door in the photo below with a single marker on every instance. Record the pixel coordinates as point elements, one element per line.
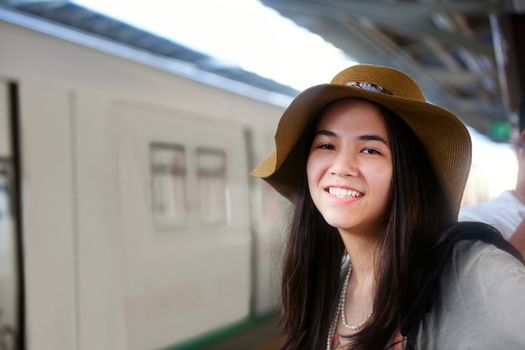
<point>10,288</point>
<point>270,219</point>
<point>184,224</point>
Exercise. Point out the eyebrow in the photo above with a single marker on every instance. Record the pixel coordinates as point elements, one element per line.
<point>326,133</point>
<point>372,138</point>
<point>360,137</point>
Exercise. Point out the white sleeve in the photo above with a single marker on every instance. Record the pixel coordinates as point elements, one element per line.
<point>474,213</point>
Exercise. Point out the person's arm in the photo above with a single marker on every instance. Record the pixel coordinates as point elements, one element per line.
<point>518,238</point>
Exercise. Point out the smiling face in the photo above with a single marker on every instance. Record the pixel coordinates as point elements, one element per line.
<point>349,167</point>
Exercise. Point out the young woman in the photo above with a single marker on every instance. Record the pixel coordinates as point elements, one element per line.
<point>375,258</point>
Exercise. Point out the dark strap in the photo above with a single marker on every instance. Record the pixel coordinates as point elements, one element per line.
<point>428,293</point>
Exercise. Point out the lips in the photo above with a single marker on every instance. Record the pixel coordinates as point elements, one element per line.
<point>343,193</point>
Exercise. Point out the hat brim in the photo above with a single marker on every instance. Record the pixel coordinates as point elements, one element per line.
<point>444,137</point>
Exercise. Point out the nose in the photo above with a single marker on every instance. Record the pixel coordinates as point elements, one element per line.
<point>345,164</point>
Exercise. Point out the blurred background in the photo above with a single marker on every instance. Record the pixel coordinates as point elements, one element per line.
<point>128,128</point>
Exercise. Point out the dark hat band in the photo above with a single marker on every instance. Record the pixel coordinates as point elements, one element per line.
<point>369,86</point>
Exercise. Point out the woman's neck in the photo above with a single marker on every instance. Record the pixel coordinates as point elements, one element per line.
<point>359,297</point>
<point>362,252</point>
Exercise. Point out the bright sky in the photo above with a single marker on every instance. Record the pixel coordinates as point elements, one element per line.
<point>494,165</point>
<point>242,33</point>
<point>256,38</point>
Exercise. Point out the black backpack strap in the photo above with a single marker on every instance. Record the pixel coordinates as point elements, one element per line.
<point>428,292</point>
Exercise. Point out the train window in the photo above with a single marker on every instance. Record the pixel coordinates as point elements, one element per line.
<point>168,174</point>
<point>213,190</point>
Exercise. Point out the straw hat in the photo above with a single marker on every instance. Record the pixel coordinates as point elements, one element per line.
<point>443,135</point>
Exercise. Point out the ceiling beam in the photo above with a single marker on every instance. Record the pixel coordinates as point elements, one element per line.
<point>414,9</point>
<point>401,18</point>
<point>454,78</point>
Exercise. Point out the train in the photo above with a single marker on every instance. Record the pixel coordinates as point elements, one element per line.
<point>137,226</point>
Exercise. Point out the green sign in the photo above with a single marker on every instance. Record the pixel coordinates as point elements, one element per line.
<point>500,131</point>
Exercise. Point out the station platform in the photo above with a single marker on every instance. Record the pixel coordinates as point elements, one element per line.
<point>264,336</point>
<point>259,334</point>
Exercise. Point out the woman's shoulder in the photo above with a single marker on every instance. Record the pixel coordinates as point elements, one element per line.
<point>467,239</point>
<point>484,265</point>
<point>479,301</point>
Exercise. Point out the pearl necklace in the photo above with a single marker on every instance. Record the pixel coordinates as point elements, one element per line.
<point>342,305</point>
<point>341,312</point>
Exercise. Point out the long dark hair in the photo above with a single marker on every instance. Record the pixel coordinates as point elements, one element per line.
<point>312,263</point>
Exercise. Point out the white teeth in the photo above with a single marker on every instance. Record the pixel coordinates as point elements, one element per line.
<point>342,193</point>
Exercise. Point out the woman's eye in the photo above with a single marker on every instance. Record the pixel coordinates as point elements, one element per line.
<point>370,151</point>
<point>326,146</point>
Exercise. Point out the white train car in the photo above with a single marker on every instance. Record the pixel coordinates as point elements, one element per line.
<point>140,228</point>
